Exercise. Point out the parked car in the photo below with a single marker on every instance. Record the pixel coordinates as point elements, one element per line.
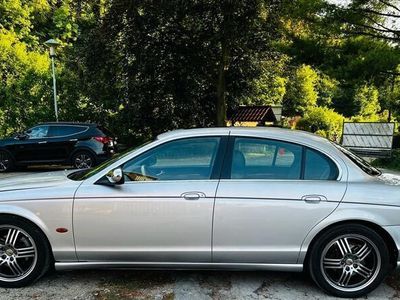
<point>81,145</point>
<point>223,198</point>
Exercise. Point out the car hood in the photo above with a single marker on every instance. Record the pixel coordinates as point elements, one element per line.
<point>34,181</point>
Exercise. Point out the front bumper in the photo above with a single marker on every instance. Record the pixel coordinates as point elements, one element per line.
<point>394,232</point>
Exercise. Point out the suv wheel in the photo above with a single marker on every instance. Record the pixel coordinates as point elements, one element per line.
<point>349,261</point>
<point>24,252</point>
<point>6,161</point>
<point>83,160</point>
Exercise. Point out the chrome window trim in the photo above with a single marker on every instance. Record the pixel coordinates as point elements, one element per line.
<point>339,162</point>
<point>58,136</point>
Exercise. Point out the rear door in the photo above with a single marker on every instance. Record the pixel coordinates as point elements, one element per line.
<point>62,140</point>
<point>271,194</point>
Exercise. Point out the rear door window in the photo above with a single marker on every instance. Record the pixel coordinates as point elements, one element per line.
<point>265,159</point>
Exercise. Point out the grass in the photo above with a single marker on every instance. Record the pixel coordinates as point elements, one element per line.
<point>391,163</point>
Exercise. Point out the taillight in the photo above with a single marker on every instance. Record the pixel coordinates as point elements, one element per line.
<point>103,139</point>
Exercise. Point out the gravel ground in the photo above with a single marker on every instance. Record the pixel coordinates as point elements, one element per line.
<point>167,285</point>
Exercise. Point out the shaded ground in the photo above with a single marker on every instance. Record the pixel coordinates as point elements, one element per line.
<point>167,285</point>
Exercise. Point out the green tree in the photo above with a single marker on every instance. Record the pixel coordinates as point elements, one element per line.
<point>323,121</point>
<point>367,99</point>
<point>327,89</point>
<point>170,64</point>
<point>301,91</point>
<point>270,87</point>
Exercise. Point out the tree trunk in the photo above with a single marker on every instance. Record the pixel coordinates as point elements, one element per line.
<point>221,88</point>
<point>221,106</point>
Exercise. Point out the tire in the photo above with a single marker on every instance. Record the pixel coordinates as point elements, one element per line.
<point>25,254</point>
<point>349,261</point>
<point>6,161</point>
<point>83,160</point>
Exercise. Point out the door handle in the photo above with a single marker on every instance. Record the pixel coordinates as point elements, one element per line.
<point>313,198</point>
<point>193,195</point>
<point>73,140</point>
<point>42,142</point>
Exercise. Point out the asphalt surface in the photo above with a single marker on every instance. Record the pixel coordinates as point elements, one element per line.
<point>167,285</point>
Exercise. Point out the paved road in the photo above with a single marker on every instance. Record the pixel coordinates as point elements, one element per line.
<point>167,285</point>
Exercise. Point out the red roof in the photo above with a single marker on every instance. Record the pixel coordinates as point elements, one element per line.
<point>253,114</point>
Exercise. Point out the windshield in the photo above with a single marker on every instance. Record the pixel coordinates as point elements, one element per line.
<point>360,162</point>
<point>87,173</point>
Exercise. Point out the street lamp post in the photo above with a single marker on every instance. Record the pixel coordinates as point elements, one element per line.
<point>52,44</point>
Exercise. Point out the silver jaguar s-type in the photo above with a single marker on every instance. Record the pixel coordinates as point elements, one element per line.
<point>232,198</point>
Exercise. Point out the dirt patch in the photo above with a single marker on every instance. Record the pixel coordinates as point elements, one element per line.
<point>136,285</point>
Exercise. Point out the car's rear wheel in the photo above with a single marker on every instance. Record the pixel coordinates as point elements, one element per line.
<point>24,252</point>
<point>349,260</point>
<point>83,160</point>
<point>6,161</point>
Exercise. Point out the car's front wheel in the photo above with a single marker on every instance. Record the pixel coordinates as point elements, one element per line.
<point>349,260</point>
<point>24,252</point>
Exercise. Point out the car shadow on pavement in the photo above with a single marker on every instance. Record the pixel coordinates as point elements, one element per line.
<point>166,285</point>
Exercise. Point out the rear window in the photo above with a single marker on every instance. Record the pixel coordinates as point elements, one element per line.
<point>60,130</point>
<point>319,167</point>
<point>105,131</point>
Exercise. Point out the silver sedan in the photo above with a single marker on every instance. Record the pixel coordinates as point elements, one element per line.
<point>232,198</point>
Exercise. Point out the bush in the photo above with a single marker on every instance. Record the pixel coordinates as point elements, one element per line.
<point>322,121</point>
<point>391,163</point>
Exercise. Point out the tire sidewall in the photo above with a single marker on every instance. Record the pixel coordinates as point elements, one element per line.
<point>43,260</point>
<point>316,253</point>
<point>76,154</point>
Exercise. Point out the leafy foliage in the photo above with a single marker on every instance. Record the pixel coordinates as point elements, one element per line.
<point>302,91</point>
<point>366,98</point>
<point>323,121</point>
<point>144,67</point>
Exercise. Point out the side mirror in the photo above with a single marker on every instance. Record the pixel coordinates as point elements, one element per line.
<point>116,176</point>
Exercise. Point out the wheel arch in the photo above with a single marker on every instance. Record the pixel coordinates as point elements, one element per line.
<point>34,222</point>
<point>393,251</point>
<point>82,149</point>
<point>2,148</point>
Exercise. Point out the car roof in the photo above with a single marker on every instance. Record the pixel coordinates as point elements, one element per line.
<point>270,132</point>
<point>69,123</point>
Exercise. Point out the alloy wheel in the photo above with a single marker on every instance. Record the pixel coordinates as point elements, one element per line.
<point>350,262</point>
<point>83,161</point>
<point>18,253</point>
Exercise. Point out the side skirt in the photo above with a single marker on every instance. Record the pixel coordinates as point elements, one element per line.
<point>176,266</point>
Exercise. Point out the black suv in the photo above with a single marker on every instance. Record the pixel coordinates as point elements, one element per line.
<point>79,144</point>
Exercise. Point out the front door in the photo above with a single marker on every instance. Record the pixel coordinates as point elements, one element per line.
<point>162,213</point>
<point>34,147</point>
<point>272,195</point>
